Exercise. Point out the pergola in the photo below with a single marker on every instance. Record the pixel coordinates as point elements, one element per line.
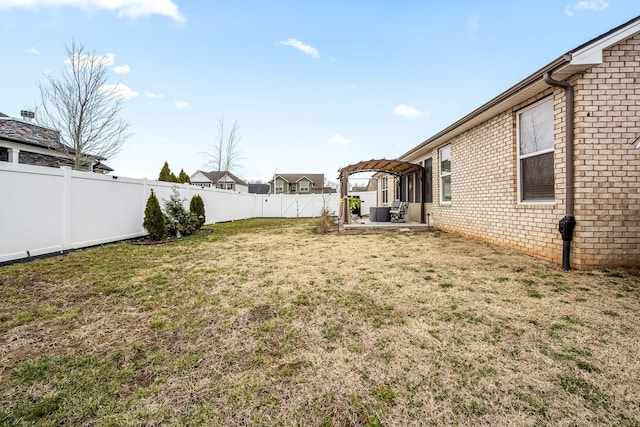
<point>393,167</point>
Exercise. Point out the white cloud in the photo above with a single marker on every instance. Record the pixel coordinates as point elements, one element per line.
<point>124,8</point>
<point>309,50</point>
<point>338,140</point>
<point>119,91</point>
<point>474,23</point>
<point>404,110</point>
<point>153,95</point>
<point>181,105</point>
<point>33,50</point>
<point>121,69</point>
<point>588,5</point>
<point>84,60</point>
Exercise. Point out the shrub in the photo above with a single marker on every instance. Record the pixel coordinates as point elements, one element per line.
<point>166,174</point>
<point>154,220</point>
<point>178,218</point>
<point>197,208</point>
<point>327,223</point>
<point>183,178</point>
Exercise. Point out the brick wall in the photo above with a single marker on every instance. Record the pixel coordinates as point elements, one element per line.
<point>607,163</point>
<point>607,172</point>
<point>484,193</point>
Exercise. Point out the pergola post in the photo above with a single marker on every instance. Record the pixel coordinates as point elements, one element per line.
<point>344,189</point>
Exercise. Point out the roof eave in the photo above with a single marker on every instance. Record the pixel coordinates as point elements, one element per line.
<point>579,60</point>
<point>507,99</point>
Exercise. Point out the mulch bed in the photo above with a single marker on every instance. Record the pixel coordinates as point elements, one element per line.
<point>147,241</point>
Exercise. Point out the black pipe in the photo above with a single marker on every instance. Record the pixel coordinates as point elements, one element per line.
<point>566,224</point>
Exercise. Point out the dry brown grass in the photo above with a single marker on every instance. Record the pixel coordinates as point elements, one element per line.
<point>275,324</point>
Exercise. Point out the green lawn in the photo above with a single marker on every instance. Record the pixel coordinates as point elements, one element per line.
<point>266,322</point>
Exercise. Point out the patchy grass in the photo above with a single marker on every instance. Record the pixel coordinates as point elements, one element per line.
<point>267,322</point>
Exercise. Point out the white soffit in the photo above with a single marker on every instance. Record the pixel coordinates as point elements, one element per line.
<point>592,53</point>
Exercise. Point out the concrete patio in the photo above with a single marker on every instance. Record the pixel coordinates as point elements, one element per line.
<point>365,224</point>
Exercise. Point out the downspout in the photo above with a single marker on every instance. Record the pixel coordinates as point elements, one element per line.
<point>566,224</point>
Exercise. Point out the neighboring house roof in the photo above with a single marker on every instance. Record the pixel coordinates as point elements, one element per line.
<point>21,132</point>
<point>102,167</point>
<point>216,176</point>
<point>578,60</point>
<point>259,188</point>
<point>31,134</point>
<point>372,185</point>
<point>317,179</point>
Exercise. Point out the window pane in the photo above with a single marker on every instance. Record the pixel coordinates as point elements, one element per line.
<point>536,128</point>
<point>445,159</point>
<point>537,178</point>
<point>446,188</point>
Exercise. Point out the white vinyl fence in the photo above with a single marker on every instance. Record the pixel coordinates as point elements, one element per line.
<point>48,210</point>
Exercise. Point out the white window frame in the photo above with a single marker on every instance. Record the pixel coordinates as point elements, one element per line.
<point>445,174</point>
<point>385,190</point>
<point>279,186</point>
<point>521,157</point>
<point>305,186</point>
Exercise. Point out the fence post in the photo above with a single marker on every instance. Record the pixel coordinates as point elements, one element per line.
<point>66,207</point>
<point>145,197</point>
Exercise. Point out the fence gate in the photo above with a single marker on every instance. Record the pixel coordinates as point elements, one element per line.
<point>290,207</point>
<point>305,206</point>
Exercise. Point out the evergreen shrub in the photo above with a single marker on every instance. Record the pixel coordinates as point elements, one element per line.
<point>196,206</point>
<point>154,219</point>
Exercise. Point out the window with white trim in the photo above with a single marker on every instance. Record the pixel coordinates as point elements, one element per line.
<point>304,186</point>
<point>279,186</point>
<point>385,190</point>
<point>535,153</point>
<point>445,174</point>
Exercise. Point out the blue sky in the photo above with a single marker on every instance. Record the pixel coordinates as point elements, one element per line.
<point>314,85</point>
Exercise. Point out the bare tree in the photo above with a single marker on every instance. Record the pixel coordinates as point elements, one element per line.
<point>330,184</point>
<point>224,152</point>
<point>84,108</point>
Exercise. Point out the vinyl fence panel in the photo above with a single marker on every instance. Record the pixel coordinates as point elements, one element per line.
<point>48,210</point>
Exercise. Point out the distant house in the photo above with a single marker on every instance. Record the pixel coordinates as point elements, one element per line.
<point>31,144</point>
<point>299,183</point>
<point>372,185</point>
<point>223,180</point>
